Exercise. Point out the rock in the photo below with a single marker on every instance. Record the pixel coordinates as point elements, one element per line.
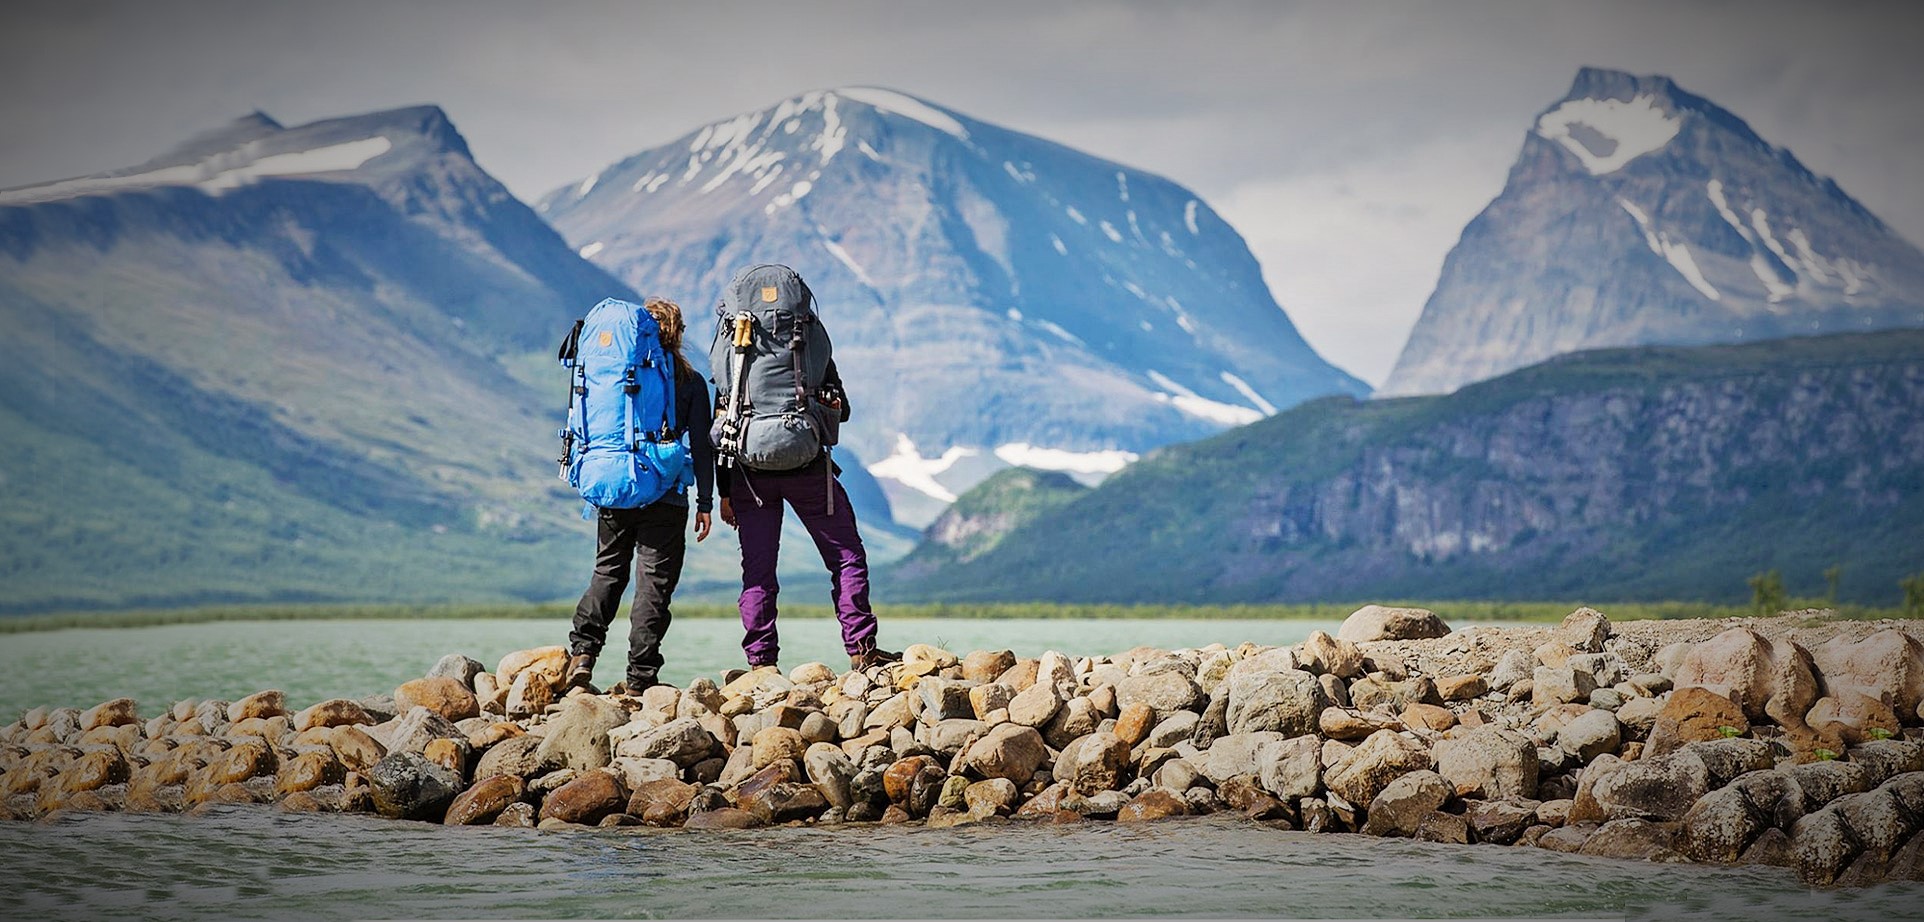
<point>405,785</point>
<point>447,697</point>
<point>1854,716</point>
<point>419,727</point>
<point>776,744</point>
<point>1100,805</point>
<point>1325,655</point>
<point>1820,783</point>
<point>1093,763</point>
<point>786,801</point>
<point>942,699</point>
<point>1175,728</point>
<point>1376,622</point>
<point>991,797</point>
<point>1886,759</point>
<point>662,802</point>
<point>1555,654</point>
<point>1559,684</point>
<point>811,674</point>
<point>1134,722</point>
<point>1590,735</point>
<point>637,772</point>
<point>1821,845</point>
<point>1164,692</point>
<point>985,666</point>
<point>1214,721</point>
<point>1395,695</point>
<point>1605,669</point>
<point>722,818</point>
<point>457,667</point>
<point>517,815</point>
<point>309,770</point>
<point>1887,665</point>
<point>577,736</point>
<point>1639,715</point>
<point>482,804</point>
<point>334,712</point>
<point>1288,702</point>
<point>530,694</point>
<point>1584,630</point>
<point>262,704</point>
<point>115,713</point>
<point>1350,724</point>
<point>1402,804</point>
<point>895,712</point>
<point>1034,706</point>
<point>1360,774</point>
<point>683,741</point>
<point>1877,818</point>
<point>1501,822</point>
<point>1768,679</point>
<point>549,663</point>
<point>1636,839</point>
<point>518,756</point>
<point>588,798</point>
<point>355,748</point>
<point>1488,762</point>
<point>948,737</point>
<point>1462,687</point>
<point>831,771</point>
<point>1512,667</point>
<point>1694,714</point>
<point>1176,774</point>
<point>1431,717</point>
<point>988,698</point>
<point>1443,827</point>
<point>1293,770</point>
<point>1076,719</point>
<point>901,775</point>
<point>1239,754</point>
<point>1153,804</point>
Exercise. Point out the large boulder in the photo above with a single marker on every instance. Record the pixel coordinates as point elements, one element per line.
<point>1360,774</point>
<point>1887,665</point>
<point>419,727</point>
<point>1768,679</point>
<point>1633,839</point>
<point>1488,762</point>
<point>1294,769</point>
<point>1854,717</point>
<point>1240,754</point>
<point>577,737</point>
<point>1165,692</point>
<point>1591,734</point>
<point>1376,622</point>
<point>1093,764</point>
<point>1287,702</point>
<point>1724,822</point>
<point>1010,751</point>
<point>1663,788</point>
<point>447,697</point>
<point>591,796</point>
<point>482,804</point>
<point>1694,714</point>
<point>683,741</point>
<point>1402,805</point>
<point>518,756</point>
<point>405,785</point>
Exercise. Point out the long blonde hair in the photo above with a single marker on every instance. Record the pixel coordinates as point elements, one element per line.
<point>667,316</point>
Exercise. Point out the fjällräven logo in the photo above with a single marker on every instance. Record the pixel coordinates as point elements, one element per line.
<point>768,294</point>
<point>607,338</point>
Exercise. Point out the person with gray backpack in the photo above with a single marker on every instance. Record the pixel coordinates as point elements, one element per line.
<point>779,406</point>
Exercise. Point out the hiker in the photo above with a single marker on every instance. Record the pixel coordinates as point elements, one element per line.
<point>779,407</point>
<point>650,534</point>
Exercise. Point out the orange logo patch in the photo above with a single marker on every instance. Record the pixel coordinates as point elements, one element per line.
<point>607,338</point>
<point>768,294</point>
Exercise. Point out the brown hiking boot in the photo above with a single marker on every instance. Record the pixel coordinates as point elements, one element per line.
<point>876,657</point>
<point>581,669</point>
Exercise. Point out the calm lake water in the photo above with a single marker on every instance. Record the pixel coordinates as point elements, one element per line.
<point>258,863</point>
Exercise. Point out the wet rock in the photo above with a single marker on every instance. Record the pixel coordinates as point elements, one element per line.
<point>1403,804</point>
<point>451,699</point>
<point>1635,839</point>
<point>419,727</point>
<point>588,798</point>
<point>405,785</point>
<point>1010,751</point>
<point>897,780</point>
<point>1376,622</point>
<point>722,818</point>
<point>1501,822</point>
<point>1093,763</point>
<point>1362,773</point>
<point>1488,762</point>
<point>482,804</point>
<point>1153,804</point>
<point>334,712</point>
<point>115,713</point>
<point>994,796</point>
<point>1694,714</point>
<point>1102,805</point>
<point>663,802</point>
<point>518,815</point>
<point>786,801</point>
<point>310,770</point>
<point>1282,702</point>
<point>1443,827</point>
<point>1567,839</point>
<point>683,741</point>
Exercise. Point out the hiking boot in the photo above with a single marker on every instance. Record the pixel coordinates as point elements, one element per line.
<point>581,668</point>
<point>876,657</point>
<point>633,687</point>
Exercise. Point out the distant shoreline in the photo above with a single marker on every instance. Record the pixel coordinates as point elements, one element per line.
<point>1455,612</point>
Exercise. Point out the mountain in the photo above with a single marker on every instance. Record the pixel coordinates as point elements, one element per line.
<point>996,299</point>
<point>1640,214</point>
<point>281,364</point>
<point>979,519</point>
<point>1625,474</point>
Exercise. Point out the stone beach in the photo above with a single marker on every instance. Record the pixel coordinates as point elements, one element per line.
<point>1795,741</point>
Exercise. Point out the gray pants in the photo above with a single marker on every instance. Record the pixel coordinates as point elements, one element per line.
<point>655,539</point>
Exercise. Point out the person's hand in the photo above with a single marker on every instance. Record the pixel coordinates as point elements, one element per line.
<point>728,512</point>
<point>704,523</point>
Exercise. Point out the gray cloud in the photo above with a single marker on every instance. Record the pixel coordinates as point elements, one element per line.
<point>1348,142</point>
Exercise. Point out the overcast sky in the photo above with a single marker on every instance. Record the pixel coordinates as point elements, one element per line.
<point>1349,142</point>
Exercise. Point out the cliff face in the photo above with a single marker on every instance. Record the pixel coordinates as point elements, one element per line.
<point>1646,473</point>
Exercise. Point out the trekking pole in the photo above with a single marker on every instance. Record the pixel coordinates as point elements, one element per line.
<point>743,336</point>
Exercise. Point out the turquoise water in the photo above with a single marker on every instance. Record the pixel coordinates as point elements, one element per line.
<point>315,660</point>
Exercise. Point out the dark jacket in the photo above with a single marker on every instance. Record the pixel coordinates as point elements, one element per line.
<point>693,416</point>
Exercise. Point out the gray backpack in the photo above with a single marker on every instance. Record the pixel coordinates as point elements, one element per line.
<point>769,360</point>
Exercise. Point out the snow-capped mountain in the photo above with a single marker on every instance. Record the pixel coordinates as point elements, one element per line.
<point>995,298</point>
<point>291,363</point>
<point>1639,213</point>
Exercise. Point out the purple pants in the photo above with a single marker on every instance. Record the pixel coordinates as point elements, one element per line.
<point>758,499</point>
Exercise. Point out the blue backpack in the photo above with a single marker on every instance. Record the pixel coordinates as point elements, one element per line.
<point>622,447</point>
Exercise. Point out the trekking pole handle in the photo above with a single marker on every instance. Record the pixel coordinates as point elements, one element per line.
<point>743,331</point>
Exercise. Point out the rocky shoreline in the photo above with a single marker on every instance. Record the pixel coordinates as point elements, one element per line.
<point>1795,741</point>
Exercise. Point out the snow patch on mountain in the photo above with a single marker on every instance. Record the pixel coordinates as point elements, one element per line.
<point>907,467</point>
<point>1605,134</point>
<point>1023,454</point>
<point>1256,399</point>
<point>908,107</point>
<point>217,174</point>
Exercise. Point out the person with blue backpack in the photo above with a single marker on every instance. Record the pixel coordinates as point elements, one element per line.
<point>780,406</point>
<point>633,398</point>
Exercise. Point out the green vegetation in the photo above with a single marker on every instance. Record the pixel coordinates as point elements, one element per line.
<point>1913,587</point>
<point>1767,594</point>
<point>1457,613</point>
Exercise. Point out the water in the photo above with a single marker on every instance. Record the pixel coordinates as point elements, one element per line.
<point>315,660</point>
<point>244,862</point>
